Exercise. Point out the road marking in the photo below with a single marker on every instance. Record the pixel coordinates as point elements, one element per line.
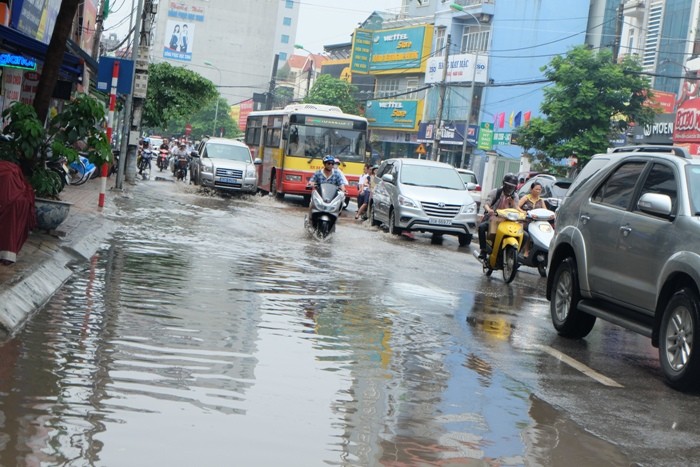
<point>591,373</point>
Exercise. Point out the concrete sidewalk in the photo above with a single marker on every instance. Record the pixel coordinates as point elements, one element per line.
<point>45,260</point>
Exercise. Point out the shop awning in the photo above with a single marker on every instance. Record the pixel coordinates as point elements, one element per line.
<point>14,41</point>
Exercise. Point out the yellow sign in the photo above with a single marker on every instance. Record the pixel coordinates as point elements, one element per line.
<point>421,149</point>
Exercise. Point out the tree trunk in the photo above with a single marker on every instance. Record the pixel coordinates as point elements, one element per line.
<point>54,57</point>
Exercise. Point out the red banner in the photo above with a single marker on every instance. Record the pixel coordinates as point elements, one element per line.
<point>686,128</point>
<point>246,109</point>
<point>663,102</point>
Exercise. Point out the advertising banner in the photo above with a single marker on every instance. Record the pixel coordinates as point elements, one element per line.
<point>500,138</point>
<point>687,125</point>
<point>485,140</point>
<point>460,69</point>
<point>658,132</point>
<point>451,134</point>
<point>11,85</point>
<point>246,109</point>
<point>394,114</point>
<point>179,39</point>
<point>388,50</point>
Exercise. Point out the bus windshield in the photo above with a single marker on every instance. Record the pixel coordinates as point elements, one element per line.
<point>316,142</point>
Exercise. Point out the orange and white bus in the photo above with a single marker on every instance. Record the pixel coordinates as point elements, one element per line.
<point>292,141</point>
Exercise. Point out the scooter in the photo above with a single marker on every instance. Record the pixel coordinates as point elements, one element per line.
<point>540,232</point>
<point>181,164</point>
<point>326,203</point>
<point>60,166</point>
<point>81,171</point>
<point>504,238</point>
<point>162,161</point>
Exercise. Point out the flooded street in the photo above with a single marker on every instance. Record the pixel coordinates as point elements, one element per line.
<point>215,331</point>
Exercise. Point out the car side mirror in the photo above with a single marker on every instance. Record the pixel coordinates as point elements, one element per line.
<point>471,186</point>
<point>257,161</point>
<point>388,178</point>
<point>656,204</point>
<point>194,154</point>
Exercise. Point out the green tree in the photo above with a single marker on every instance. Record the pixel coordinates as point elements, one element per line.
<point>283,96</point>
<point>174,93</point>
<point>202,122</point>
<point>333,91</point>
<point>592,100</point>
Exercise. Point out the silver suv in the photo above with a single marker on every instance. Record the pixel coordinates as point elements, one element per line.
<point>224,164</point>
<point>627,250</point>
<point>422,196</point>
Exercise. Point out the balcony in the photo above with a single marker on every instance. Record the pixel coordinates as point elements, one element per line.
<point>634,9</point>
<point>483,9</point>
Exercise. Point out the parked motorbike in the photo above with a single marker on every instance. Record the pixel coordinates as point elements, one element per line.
<point>504,239</point>
<point>114,168</point>
<point>82,170</point>
<point>326,203</point>
<point>145,162</point>
<point>60,166</point>
<point>162,161</point>
<point>540,233</point>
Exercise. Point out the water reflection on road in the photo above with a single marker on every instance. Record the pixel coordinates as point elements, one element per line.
<point>214,332</point>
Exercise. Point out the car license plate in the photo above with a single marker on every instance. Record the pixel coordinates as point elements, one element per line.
<point>437,221</point>
<point>229,180</point>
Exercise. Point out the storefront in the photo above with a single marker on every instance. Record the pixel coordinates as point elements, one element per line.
<point>686,128</point>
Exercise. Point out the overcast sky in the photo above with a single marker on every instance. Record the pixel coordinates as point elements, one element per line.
<point>323,22</point>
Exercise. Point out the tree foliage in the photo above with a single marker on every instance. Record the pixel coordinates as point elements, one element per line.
<point>174,93</point>
<point>333,91</point>
<point>592,100</point>
<point>202,123</point>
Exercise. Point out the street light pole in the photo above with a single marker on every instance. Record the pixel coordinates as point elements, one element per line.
<point>218,97</point>
<point>441,103</point>
<point>310,70</point>
<point>468,120</point>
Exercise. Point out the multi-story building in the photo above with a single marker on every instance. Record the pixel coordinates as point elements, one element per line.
<point>233,43</point>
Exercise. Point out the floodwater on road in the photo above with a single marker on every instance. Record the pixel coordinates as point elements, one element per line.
<point>212,331</point>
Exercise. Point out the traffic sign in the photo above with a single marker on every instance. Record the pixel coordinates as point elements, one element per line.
<point>421,150</point>
<point>188,129</point>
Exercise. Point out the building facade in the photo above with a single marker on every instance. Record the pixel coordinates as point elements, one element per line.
<point>233,43</point>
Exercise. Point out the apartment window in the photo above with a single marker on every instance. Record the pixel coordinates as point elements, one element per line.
<point>387,88</point>
<point>289,4</point>
<point>439,41</point>
<point>287,21</point>
<point>411,86</point>
<point>285,39</point>
<point>283,55</point>
<point>475,38</point>
<point>653,35</point>
<point>423,2</point>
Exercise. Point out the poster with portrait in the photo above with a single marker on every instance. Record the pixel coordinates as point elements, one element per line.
<point>179,38</point>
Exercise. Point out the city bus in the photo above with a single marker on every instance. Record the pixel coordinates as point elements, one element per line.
<point>292,141</point>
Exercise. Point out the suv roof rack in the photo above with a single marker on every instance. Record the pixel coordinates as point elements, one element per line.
<point>675,150</point>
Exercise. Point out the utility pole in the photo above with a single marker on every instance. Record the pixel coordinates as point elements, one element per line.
<point>138,92</point>
<point>470,110</point>
<point>441,103</point>
<point>618,30</point>
<point>271,92</point>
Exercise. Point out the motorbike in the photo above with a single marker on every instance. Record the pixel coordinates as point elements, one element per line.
<point>504,239</point>
<point>326,203</point>
<point>114,168</point>
<point>540,233</point>
<point>60,166</point>
<point>162,161</point>
<point>181,164</point>
<point>82,170</point>
<point>145,162</point>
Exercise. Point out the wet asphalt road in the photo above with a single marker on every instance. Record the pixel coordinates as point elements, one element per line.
<point>215,331</point>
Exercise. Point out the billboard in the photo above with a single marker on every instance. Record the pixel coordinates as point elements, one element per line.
<point>179,39</point>
<point>394,114</point>
<point>388,50</point>
<point>460,69</point>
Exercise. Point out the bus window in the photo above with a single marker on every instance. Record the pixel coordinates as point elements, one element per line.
<point>272,137</point>
<point>313,141</point>
<point>252,131</point>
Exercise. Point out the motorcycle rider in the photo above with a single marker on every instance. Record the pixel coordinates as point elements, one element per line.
<point>499,198</point>
<point>328,174</point>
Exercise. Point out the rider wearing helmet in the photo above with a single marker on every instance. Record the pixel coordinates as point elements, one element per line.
<point>329,174</point>
<point>499,198</point>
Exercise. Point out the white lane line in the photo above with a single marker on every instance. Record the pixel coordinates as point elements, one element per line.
<point>591,373</point>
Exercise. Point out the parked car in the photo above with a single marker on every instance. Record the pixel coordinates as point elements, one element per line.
<point>553,189</point>
<point>627,249</point>
<point>422,196</point>
<point>470,180</point>
<point>224,164</point>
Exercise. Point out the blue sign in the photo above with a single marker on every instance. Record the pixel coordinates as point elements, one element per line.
<point>394,114</point>
<point>104,75</point>
<point>399,49</point>
<point>17,61</point>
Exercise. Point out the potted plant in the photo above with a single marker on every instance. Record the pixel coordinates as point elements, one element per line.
<point>32,146</point>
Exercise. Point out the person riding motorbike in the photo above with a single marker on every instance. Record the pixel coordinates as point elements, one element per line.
<point>530,201</point>
<point>328,174</point>
<point>499,198</point>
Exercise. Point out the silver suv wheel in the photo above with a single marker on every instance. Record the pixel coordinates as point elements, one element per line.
<point>679,325</point>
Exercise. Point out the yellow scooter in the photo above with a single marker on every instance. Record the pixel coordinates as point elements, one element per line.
<point>505,237</point>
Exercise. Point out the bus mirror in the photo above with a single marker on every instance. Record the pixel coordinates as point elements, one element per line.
<point>285,131</point>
